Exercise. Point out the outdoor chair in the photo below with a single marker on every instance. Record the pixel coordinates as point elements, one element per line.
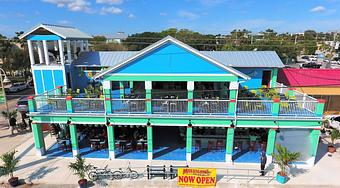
<point>219,145</point>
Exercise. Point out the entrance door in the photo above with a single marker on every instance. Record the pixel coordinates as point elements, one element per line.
<point>266,76</point>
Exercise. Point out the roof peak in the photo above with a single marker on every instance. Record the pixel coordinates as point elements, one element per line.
<point>55,25</point>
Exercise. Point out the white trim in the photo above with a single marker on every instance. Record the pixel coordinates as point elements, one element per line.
<point>61,51</point>
<point>228,158</point>
<point>50,67</point>
<point>54,86</point>
<point>188,156</point>
<point>68,49</point>
<point>75,152</point>
<point>30,52</point>
<point>106,84</point>
<point>233,85</point>
<point>112,154</point>
<point>40,151</point>
<point>34,81</point>
<point>190,85</point>
<point>43,83</point>
<point>179,43</point>
<point>45,48</point>
<point>150,155</point>
<point>269,159</point>
<point>40,52</point>
<point>148,85</point>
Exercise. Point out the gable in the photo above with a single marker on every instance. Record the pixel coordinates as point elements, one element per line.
<point>170,59</point>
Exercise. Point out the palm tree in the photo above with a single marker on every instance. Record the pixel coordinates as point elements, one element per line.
<point>80,169</point>
<point>283,157</point>
<point>9,166</point>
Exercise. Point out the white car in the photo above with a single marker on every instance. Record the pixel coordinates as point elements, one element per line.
<point>18,87</point>
<point>333,121</point>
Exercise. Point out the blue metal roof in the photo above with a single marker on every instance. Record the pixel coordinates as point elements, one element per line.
<point>228,58</point>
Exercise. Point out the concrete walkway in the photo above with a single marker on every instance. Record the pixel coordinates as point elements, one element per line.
<point>53,172</point>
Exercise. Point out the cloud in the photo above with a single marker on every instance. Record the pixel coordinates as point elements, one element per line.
<point>187,15</point>
<point>318,9</point>
<point>111,2</point>
<point>73,5</point>
<point>110,10</point>
<point>131,16</point>
<point>163,14</point>
<point>64,22</point>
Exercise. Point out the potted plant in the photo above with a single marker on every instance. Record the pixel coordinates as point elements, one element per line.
<point>283,158</point>
<point>335,134</point>
<point>80,169</point>
<point>9,165</point>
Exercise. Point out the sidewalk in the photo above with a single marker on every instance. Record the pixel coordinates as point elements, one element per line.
<point>53,172</point>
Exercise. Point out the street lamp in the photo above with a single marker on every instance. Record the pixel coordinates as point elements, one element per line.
<point>5,80</point>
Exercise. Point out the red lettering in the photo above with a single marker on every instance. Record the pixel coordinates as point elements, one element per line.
<point>191,179</point>
<point>203,180</point>
<point>180,179</point>
<point>198,179</point>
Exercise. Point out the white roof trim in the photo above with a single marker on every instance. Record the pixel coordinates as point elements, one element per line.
<point>175,41</point>
<point>37,27</point>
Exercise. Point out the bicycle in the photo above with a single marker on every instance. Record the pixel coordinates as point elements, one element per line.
<point>100,173</point>
<point>125,173</point>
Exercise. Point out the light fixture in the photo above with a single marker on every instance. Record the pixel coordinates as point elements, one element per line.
<point>232,124</point>
<point>189,124</point>
<point>148,123</point>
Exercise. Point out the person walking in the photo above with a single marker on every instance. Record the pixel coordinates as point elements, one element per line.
<point>263,159</point>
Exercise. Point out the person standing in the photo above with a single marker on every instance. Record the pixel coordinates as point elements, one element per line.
<point>263,159</point>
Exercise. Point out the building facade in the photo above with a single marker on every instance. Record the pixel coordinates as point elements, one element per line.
<point>172,102</point>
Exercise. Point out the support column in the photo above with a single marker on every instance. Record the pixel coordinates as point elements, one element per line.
<point>69,54</point>
<point>107,96</point>
<point>131,84</point>
<point>320,107</point>
<point>273,78</point>
<point>61,52</point>
<point>190,88</point>
<point>32,107</point>
<point>189,142</point>
<point>59,91</point>
<point>30,52</point>
<point>229,145</point>
<point>121,89</point>
<point>74,139</point>
<point>81,45</point>
<point>270,145</point>
<point>47,58</point>
<point>87,45</point>
<point>276,107</point>
<point>38,139</point>
<point>291,93</point>
<point>69,106</point>
<point>233,87</point>
<point>40,52</point>
<point>148,87</point>
<point>111,140</point>
<point>74,49</point>
<point>149,140</point>
<point>314,141</point>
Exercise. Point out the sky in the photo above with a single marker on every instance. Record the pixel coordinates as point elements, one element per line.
<point>98,17</point>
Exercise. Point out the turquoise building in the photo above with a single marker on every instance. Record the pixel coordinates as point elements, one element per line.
<point>168,101</point>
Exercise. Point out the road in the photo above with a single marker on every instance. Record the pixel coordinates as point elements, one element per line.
<point>12,98</point>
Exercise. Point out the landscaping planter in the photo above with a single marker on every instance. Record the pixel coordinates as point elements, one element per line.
<point>13,181</point>
<point>331,149</point>
<point>82,183</point>
<point>281,179</point>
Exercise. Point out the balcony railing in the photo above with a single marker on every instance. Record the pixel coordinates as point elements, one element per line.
<point>214,107</point>
<point>298,108</point>
<point>128,106</point>
<point>88,105</point>
<point>254,107</point>
<point>50,104</point>
<point>167,106</point>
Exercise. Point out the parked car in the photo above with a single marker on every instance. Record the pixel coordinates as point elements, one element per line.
<point>17,87</point>
<point>333,121</point>
<point>311,65</point>
<point>22,104</point>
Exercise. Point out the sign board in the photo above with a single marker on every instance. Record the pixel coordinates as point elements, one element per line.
<point>196,176</point>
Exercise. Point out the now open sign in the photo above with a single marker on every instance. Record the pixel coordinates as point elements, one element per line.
<point>196,176</point>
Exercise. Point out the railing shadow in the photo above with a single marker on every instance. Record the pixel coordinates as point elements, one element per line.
<point>40,173</point>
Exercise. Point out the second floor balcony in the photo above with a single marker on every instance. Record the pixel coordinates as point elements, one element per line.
<point>288,104</point>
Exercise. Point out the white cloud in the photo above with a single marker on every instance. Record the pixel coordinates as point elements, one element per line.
<point>64,22</point>
<point>111,2</point>
<point>72,5</point>
<point>131,15</point>
<point>110,10</point>
<point>318,9</point>
<point>163,14</point>
<point>187,15</point>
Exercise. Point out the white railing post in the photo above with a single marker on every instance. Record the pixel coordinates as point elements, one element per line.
<point>304,100</point>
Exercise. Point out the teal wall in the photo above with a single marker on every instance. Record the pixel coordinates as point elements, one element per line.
<point>171,59</point>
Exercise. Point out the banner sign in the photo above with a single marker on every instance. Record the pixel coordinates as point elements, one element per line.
<point>196,176</point>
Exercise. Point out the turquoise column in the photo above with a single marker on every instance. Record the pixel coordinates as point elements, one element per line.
<point>32,107</point>
<point>273,79</point>
<point>69,105</point>
<point>189,142</point>
<point>111,140</point>
<point>108,105</point>
<point>74,139</point>
<point>320,107</point>
<point>233,87</point>
<point>121,89</point>
<point>131,84</point>
<point>291,93</point>
<point>229,144</point>
<point>276,107</point>
<point>314,141</point>
<point>38,136</point>
<point>59,90</point>
<point>190,88</point>
<point>149,141</point>
<point>270,145</point>
<point>148,104</point>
